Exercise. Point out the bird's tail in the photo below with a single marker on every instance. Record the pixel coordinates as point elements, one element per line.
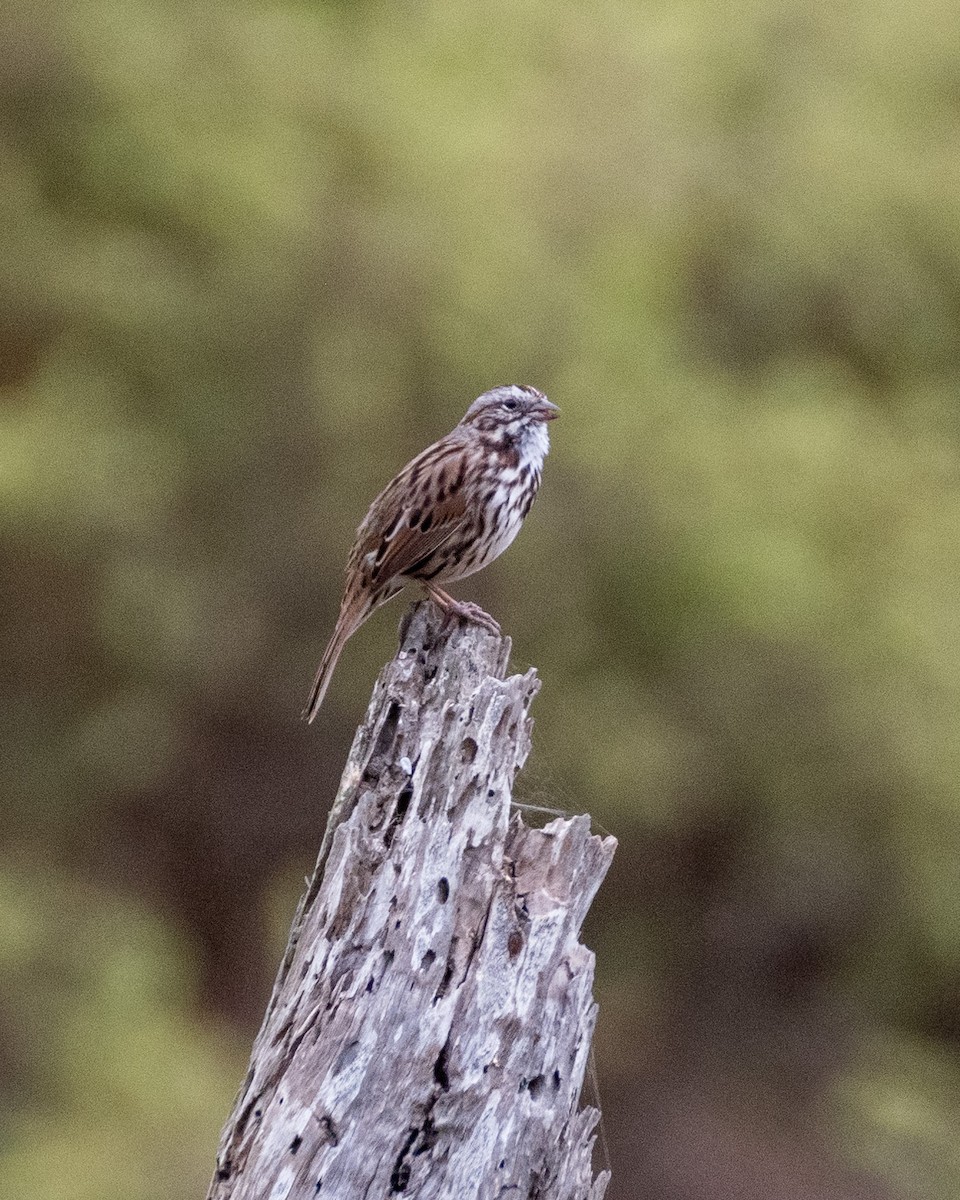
<point>345,627</point>
<point>356,607</point>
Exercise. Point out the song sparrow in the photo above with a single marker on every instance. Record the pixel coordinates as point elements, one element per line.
<point>450,511</point>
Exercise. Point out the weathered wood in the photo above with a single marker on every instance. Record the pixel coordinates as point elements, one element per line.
<point>431,1021</point>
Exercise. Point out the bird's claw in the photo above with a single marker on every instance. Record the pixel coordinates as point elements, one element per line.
<point>467,611</point>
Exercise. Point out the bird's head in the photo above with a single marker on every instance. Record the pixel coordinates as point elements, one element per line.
<point>514,412</point>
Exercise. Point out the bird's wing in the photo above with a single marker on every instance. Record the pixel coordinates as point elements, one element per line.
<point>415,514</point>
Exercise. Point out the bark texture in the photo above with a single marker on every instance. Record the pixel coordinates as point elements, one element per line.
<point>431,1021</point>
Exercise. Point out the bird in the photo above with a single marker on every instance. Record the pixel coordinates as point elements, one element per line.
<point>449,513</point>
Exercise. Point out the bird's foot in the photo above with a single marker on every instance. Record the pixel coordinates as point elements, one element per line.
<point>467,611</point>
<point>463,610</point>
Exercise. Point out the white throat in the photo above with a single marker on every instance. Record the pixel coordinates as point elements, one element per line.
<point>534,445</point>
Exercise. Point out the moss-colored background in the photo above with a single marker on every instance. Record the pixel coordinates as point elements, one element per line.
<point>253,256</point>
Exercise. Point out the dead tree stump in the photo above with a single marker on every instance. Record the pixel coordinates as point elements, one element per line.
<point>430,1025</point>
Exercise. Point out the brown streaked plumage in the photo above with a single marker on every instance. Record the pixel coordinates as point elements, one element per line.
<point>452,510</point>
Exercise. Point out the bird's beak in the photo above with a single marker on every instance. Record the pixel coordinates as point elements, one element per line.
<point>545,411</point>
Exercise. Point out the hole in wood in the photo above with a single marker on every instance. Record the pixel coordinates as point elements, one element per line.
<point>448,972</point>
<point>440,1075</point>
<point>385,739</point>
<point>506,726</point>
<point>399,812</point>
<point>443,890</point>
<point>400,1176</point>
<point>428,1138</point>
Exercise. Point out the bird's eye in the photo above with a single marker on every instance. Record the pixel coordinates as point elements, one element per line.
<point>510,404</point>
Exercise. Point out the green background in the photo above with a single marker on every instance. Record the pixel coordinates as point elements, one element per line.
<point>255,256</point>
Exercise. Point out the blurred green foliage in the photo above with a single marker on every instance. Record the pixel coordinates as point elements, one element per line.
<point>253,258</point>
<point>117,1090</point>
